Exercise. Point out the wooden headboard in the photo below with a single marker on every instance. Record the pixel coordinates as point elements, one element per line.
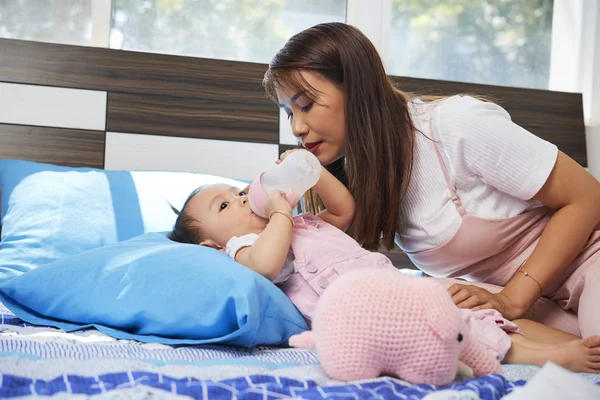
<point>115,109</point>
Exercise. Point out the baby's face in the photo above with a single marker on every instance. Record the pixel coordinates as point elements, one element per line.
<point>224,212</point>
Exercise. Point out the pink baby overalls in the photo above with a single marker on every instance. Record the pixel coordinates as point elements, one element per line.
<point>322,252</point>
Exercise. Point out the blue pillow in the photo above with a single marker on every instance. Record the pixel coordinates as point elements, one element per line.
<point>153,290</point>
<point>50,212</point>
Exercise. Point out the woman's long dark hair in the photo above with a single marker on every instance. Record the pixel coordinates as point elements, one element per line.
<point>380,134</point>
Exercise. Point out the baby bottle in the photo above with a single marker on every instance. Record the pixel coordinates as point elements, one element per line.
<point>297,173</point>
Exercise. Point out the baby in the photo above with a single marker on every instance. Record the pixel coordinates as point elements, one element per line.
<point>304,254</point>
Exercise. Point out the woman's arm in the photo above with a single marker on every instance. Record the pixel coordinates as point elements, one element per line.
<point>575,195</point>
<point>339,203</point>
<point>268,254</point>
<point>482,141</point>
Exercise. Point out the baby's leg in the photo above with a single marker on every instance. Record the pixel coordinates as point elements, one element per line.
<point>541,344</point>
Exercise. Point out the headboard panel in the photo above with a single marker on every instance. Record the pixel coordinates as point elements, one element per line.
<point>72,147</point>
<point>192,117</point>
<point>153,93</point>
<point>198,99</point>
<point>132,72</point>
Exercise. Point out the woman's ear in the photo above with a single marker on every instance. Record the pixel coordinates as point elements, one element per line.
<point>212,244</point>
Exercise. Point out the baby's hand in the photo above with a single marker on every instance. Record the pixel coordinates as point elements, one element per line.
<point>276,201</point>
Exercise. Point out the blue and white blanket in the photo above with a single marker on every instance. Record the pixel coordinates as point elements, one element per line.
<point>41,362</point>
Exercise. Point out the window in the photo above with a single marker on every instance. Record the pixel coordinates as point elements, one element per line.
<point>497,42</point>
<point>58,21</point>
<point>223,29</point>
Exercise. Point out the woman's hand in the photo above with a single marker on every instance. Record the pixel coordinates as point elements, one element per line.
<point>287,153</point>
<point>476,298</point>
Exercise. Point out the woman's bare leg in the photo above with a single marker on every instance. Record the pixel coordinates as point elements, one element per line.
<point>540,344</point>
<point>543,334</point>
<point>581,355</point>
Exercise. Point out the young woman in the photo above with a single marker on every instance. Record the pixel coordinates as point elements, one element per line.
<point>454,182</point>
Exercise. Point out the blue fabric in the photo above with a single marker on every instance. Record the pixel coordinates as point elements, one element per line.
<point>50,212</point>
<point>154,290</point>
<point>489,387</point>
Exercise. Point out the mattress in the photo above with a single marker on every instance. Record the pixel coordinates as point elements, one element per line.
<point>40,361</point>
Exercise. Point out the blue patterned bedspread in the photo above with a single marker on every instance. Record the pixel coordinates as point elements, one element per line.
<point>246,387</point>
<point>42,362</point>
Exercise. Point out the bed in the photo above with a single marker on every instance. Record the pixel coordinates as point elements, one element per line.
<point>118,110</point>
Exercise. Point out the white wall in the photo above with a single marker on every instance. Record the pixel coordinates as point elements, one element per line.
<point>575,64</point>
<point>592,90</point>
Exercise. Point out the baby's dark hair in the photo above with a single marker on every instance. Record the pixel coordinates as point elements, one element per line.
<point>187,229</point>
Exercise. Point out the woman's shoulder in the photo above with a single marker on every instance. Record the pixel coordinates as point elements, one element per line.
<point>465,117</point>
<point>466,108</point>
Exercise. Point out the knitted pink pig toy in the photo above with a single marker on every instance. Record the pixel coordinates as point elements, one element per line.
<point>373,322</point>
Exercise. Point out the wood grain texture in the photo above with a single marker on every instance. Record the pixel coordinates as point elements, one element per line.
<point>131,71</point>
<point>554,116</point>
<point>154,93</point>
<point>70,147</point>
<point>191,117</point>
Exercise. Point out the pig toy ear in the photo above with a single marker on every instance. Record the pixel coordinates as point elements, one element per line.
<point>304,340</point>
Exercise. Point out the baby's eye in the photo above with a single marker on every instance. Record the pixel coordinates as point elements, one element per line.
<point>224,205</point>
<point>242,193</point>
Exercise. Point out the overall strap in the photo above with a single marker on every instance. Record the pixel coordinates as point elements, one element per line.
<point>457,203</point>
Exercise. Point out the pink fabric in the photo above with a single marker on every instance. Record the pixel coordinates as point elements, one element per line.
<point>373,322</point>
<point>257,197</point>
<point>492,250</point>
<point>491,330</point>
<point>322,253</point>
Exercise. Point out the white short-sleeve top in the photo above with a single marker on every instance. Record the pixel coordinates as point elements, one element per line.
<point>495,166</point>
<point>236,243</point>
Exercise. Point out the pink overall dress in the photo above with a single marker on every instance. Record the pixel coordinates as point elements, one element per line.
<point>322,253</point>
<point>490,251</point>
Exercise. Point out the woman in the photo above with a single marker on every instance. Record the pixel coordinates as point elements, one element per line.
<point>459,187</point>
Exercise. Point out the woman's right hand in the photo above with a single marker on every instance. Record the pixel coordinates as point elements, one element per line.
<point>276,201</point>
<point>287,153</point>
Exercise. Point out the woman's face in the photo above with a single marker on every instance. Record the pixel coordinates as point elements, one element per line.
<point>319,125</point>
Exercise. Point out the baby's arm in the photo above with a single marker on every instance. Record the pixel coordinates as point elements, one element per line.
<point>339,203</point>
<point>268,254</point>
